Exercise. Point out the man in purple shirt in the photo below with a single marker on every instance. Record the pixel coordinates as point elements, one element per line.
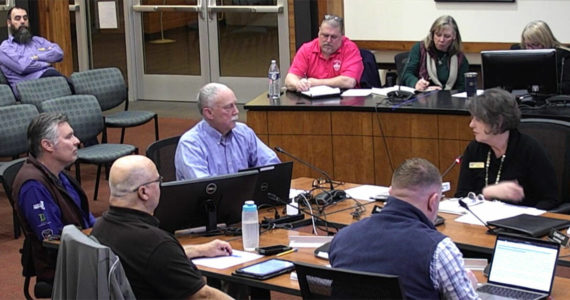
<point>219,144</point>
<point>24,56</point>
<point>45,197</point>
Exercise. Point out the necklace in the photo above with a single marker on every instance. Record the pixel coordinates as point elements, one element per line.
<point>487,168</point>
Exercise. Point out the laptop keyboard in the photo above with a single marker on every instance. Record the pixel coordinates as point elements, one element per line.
<point>506,292</point>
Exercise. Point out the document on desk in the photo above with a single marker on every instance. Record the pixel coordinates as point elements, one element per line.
<point>368,192</point>
<point>308,241</point>
<point>321,91</point>
<point>464,94</point>
<point>223,262</point>
<point>356,93</point>
<point>385,91</point>
<point>451,205</point>
<point>495,210</point>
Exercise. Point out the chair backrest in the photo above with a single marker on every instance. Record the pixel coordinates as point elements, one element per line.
<point>83,112</point>
<point>8,172</point>
<point>6,95</point>
<point>14,120</point>
<point>401,60</point>
<point>318,282</point>
<point>106,84</point>
<point>41,89</point>
<point>370,77</point>
<point>162,154</point>
<point>86,269</point>
<point>554,135</point>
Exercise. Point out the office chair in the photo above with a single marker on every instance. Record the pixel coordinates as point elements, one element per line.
<point>401,60</point>
<point>162,154</point>
<point>86,119</point>
<point>319,282</point>
<point>86,269</point>
<point>108,87</point>
<point>6,95</point>
<point>370,77</point>
<point>41,89</point>
<point>14,120</point>
<point>554,135</point>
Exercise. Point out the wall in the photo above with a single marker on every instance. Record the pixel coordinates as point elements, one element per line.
<point>409,20</point>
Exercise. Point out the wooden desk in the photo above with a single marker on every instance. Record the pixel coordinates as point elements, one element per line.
<point>344,136</point>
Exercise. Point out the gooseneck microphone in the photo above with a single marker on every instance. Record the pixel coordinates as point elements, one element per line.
<point>456,161</point>
<point>326,197</point>
<point>322,172</point>
<point>490,229</point>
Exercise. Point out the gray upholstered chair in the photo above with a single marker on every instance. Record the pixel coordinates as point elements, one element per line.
<point>14,120</point>
<point>6,95</point>
<point>162,154</point>
<point>86,119</point>
<point>41,89</point>
<point>108,86</point>
<point>8,171</point>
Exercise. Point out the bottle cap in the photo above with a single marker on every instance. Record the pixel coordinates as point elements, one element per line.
<point>249,205</point>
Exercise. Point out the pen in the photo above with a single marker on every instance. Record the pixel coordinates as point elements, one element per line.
<point>287,252</point>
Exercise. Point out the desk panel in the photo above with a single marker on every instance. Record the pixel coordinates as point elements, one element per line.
<point>316,149</point>
<point>298,122</point>
<point>353,158</point>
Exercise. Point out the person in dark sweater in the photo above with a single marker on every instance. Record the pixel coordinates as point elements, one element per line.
<point>437,62</point>
<point>402,240</point>
<point>155,263</point>
<point>502,163</point>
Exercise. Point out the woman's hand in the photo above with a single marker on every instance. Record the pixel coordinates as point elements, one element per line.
<point>422,84</point>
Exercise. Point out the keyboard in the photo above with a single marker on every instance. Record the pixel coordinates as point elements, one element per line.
<point>507,292</point>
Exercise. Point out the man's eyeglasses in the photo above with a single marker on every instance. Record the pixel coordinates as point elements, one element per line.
<point>159,180</point>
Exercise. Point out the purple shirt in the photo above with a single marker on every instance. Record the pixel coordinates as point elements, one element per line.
<point>42,213</point>
<point>16,59</point>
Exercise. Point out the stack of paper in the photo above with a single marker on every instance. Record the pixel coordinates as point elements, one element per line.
<point>320,91</point>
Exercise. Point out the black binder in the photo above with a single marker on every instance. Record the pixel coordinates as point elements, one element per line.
<point>535,226</point>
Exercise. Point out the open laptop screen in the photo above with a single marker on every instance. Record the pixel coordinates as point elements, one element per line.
<point>524,263</point>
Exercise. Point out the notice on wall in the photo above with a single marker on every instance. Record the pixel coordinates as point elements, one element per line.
<point>107,12</point>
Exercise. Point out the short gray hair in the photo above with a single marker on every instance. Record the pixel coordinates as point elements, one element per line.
<point>496,108</point>
<point>43,126</point>
<point>334,21</point>
<point>416,173</point>
<point>208,93</point>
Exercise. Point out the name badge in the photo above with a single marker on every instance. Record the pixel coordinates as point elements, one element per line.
<point>476,165</point>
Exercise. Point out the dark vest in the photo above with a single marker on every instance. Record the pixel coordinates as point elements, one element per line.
<point>400,240</point>
<point>44,260</point>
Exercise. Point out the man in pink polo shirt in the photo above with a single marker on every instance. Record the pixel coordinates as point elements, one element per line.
<point>330,59</point>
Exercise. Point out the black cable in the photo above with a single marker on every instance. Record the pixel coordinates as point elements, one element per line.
<point>383,136</point>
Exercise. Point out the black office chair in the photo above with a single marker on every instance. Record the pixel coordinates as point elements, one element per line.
<point>370,77</point>
<point>162,154</point>
<point>554,135</point>
<point>318,282</point>
<point>401,60</point>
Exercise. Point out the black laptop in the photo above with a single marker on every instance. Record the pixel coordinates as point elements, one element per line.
<point>275,179</point>
<point>522,268</point>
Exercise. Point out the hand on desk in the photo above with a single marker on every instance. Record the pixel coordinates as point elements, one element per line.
<point>303,85</point>
<point>506,190</point>
<point>210,249</point>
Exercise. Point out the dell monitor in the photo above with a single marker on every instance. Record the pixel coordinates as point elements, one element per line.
<point>274,179</point>
<point>533,71</point>
<point>204,202</point>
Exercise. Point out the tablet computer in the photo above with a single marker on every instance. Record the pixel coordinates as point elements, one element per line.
<point>266,269</point>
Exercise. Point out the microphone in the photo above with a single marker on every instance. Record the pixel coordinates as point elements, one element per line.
<point>322,172</point>
<point>399,95</point>
<point>327,197</point>
<point>456,161</point>
<point>490,229</point>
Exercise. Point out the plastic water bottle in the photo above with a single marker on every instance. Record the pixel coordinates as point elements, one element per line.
<point>274,81</point>
<point>249,226</point>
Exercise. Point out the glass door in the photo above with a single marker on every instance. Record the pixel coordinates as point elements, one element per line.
<point>176,46</point>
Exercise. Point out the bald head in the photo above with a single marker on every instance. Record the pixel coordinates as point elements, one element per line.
<point>134,183</point>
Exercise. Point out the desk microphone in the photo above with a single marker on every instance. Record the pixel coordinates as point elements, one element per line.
<point>399,95</point>
<point>456,161</point>
<point>490,229</point>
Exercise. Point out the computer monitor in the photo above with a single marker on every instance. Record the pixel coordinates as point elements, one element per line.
<point>204,201</point>
<point>513,70</point>
<point>275,179</point>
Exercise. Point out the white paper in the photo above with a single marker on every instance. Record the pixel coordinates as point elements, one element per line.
<point>308,241</point>
<point>321,90</point>
<point>495,210</point>
<point>367,192</point>
<point>107,13</point>
<point>464,94</point>
<point>356,93</point>
<point>223,262</point>
<point>451,205</point>
<point>294,193</point>
<point>385,91</point>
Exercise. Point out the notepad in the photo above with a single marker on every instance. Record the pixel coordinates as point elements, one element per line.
<point>321,91</point>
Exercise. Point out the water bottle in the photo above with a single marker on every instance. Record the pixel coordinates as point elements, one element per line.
<point>274,81</point>
<point>249,226</point>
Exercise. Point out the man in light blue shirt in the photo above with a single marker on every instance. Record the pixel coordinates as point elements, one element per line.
<point>218,144</point>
